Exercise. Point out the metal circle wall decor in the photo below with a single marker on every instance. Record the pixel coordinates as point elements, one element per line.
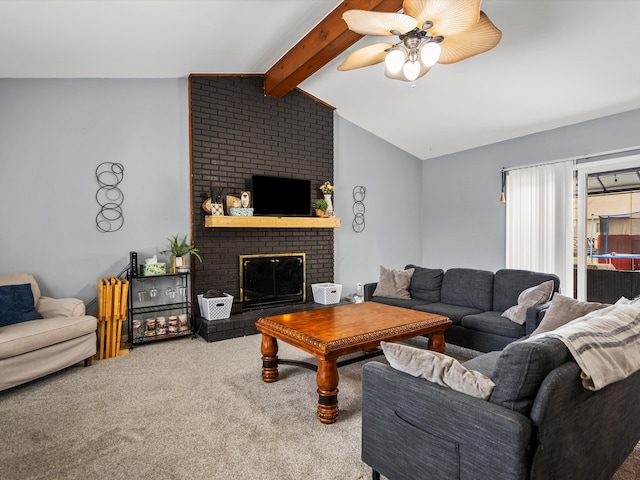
<point>358,209</point>
<point>109,197</point>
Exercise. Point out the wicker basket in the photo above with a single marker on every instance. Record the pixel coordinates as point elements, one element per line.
<point>326,293</point>
<point>215,308</point>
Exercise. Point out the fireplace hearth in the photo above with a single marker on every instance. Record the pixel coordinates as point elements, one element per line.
<point>271,280</point>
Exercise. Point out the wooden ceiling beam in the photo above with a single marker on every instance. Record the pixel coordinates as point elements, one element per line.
<point>325,42</point>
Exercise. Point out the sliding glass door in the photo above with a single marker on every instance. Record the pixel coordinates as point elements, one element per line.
<point>607,230</point>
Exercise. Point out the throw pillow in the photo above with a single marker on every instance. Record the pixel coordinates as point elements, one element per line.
<point>394,283</point>
<point>17,304</point>
<point>521,368</point>
<point>563,310</point>
<point>437,368</point>
<point>530,297</point>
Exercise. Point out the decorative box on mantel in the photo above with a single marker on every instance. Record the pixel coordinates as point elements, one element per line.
<point>270,222</point>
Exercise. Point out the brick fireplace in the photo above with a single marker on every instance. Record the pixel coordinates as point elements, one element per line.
<point>237,131</point>
<point>276,279</point>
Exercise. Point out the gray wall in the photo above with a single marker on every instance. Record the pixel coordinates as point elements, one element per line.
<point>392,178</point>
<point>463,221</point>
<point>53,135</point>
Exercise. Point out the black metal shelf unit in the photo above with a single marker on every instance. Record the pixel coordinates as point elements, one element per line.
<point>160,307</point>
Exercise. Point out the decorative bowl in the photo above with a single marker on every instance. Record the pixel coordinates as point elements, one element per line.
<point>241,212</point>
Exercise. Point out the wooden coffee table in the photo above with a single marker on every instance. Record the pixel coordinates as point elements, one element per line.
<point>332,332</point>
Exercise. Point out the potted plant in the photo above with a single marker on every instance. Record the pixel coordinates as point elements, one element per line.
<point>180,248</point>
<point>320,206</point>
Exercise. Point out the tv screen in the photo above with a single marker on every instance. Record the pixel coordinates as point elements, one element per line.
<point>280,196</point>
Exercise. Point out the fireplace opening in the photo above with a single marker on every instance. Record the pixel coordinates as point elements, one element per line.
<point>270,280</point>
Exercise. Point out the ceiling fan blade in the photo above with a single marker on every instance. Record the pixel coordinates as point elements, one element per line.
<point>366,56</point>
<point>378,23</point>
<point>478,39</point>
<point>448,17</point>
<point>400,76</point>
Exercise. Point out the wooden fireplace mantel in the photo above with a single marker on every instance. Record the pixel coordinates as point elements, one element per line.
<point>228,221</point>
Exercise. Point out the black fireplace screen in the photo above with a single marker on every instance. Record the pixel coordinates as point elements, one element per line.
<point>267,280</point>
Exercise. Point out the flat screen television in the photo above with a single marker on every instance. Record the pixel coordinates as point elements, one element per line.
<point>280,196</point>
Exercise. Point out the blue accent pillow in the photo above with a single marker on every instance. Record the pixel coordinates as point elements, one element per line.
<point>16,304</point>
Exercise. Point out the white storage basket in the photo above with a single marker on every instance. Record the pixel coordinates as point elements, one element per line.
<point>326,293</point>
<point>215,308</point>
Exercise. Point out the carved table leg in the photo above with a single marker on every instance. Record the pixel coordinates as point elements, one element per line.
<point>269,348</point>
<point>436,342</point>
<point>327,379</point>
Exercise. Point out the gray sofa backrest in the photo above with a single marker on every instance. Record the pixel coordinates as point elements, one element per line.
<point>509,283</point>
<point>426,283</point>
<point>467,287</point>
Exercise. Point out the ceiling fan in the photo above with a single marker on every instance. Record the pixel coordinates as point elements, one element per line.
<point>429,32</point>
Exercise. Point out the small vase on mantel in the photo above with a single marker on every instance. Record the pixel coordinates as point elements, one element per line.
<point>329,211</point>
<point>180,265</point>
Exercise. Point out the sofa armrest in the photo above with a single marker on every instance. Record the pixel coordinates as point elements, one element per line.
<point>368,290</point>
<point>534,317</point>
<point>60,307</point>
<point>412,428</point>
<point>581,433</point>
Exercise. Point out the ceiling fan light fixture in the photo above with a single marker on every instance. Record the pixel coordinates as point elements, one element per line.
<point>430,53</point>
<point>411,70</point>
<point>395,60</point>
<point>429,32</point>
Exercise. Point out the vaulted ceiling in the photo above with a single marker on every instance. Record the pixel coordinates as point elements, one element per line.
<point>559,62</point>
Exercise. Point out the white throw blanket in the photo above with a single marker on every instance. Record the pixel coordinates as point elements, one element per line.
<point>605,343</point>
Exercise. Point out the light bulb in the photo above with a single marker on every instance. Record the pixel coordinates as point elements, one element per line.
<point>394,60</point>
<point>411,70</point>
<point>430,53</point>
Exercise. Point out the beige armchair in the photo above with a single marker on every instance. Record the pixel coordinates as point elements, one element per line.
<point>35,348</point>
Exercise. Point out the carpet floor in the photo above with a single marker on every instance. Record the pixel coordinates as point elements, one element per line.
<point>186,409</point>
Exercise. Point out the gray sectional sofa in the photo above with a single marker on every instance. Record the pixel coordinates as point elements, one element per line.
<point>474,300</point>
<point>539,423</point>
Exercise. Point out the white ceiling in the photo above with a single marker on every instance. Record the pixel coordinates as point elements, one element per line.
<point>559,61</point>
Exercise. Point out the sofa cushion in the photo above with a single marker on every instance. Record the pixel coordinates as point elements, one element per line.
<point>399,302</point>
<point>393,283</point>
<point>495,323</point>
<point>426,283</point>
<point>485,363</point>
<point>468,288</point>
<point>17,304</point>
<point>509,283</point>
<point>530,297</point>
<point>454,312</point>
<point>437,368</point>
<point>521,368</point>
<point>562,310</point>
<point>24,337</point>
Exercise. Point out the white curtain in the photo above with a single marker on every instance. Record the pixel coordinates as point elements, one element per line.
<point>539,220</point>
